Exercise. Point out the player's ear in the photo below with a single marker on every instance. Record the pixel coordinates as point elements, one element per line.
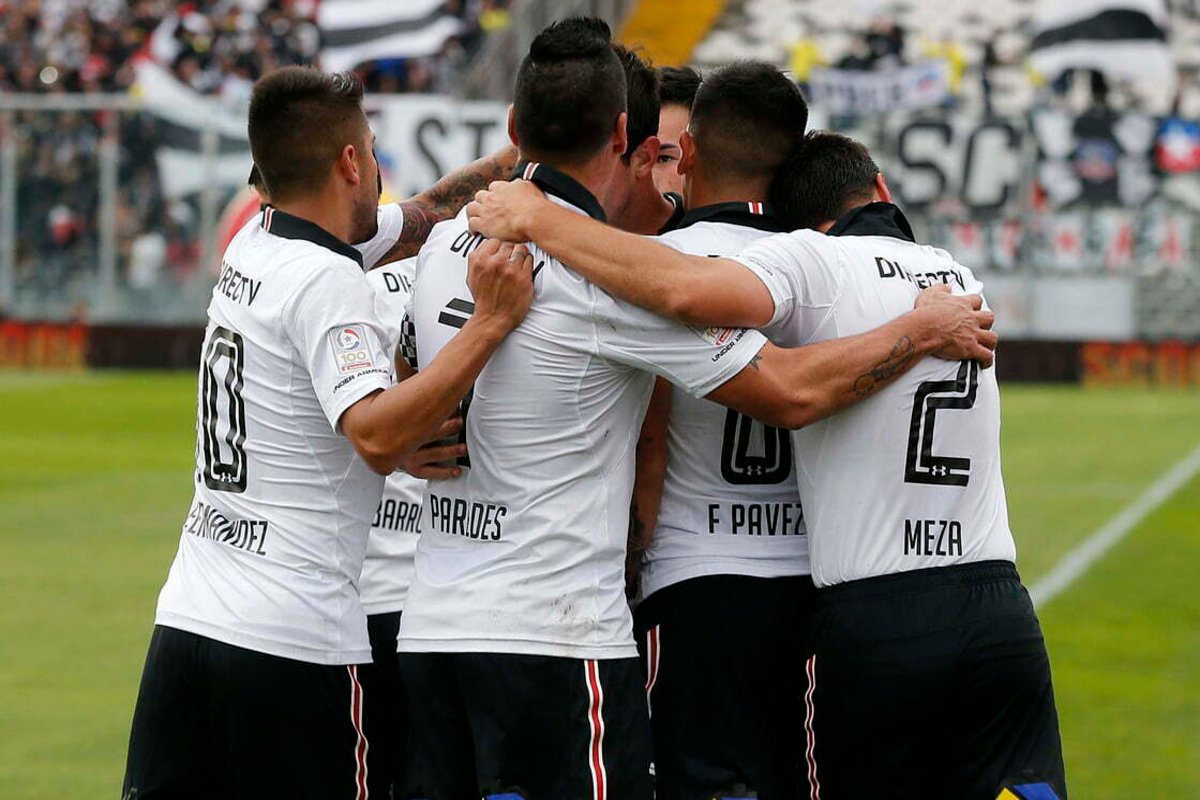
<point>687,153</point>
<point>645,157</point>
<point>347,165</point>
<point>620,139</point>
<point>512,126</point>
<point>882,193</point>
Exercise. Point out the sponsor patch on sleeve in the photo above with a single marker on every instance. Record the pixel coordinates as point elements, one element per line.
<point>715,336</point>
<point>350,350</point>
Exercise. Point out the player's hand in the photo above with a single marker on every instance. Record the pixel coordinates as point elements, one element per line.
<point>500,277</point>
<point>435,458</point>
<point>961,323</point>
<point>502,210</point>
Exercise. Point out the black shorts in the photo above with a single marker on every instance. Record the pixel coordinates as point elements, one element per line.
<point>386,714</point>
<point>725,682</point>
<point>932,683</point>
<point>214,720</point>
<point>553,728</point>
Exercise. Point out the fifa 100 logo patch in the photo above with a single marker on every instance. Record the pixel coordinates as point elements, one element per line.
<point>350,349</point>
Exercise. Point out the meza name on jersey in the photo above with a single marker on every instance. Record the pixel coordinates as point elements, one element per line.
<point>932,537</point>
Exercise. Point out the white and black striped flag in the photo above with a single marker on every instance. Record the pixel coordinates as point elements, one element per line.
<point>1121,38</point>
<point>356,31</point>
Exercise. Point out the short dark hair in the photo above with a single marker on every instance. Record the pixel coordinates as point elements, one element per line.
<point>255,180</point>
<point>570,91</point>
<point>641,95</point>
<point>747,118</point>
<point>300,119</point>
<point>677,86</point>
<point>829,175</point>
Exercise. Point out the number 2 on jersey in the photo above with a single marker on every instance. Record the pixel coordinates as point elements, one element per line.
<point>921,465</point>
<point>221,406</point>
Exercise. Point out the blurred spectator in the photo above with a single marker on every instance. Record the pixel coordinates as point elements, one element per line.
<point>950,51</point>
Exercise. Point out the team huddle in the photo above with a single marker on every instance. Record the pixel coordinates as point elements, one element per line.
<point>666,465</point>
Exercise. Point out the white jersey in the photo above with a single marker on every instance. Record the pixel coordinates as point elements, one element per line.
<point>909,478</point>
<point>272,547</point>
<point>390,218</point>
<point>387,570</point>
<point>729,502</point>
<point>525,552</point>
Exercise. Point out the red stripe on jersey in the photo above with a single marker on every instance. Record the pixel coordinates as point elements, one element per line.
<point>596,730</point>
<point>530,168</point>
<point>267,218</point>
<point>653,648</point>
<point>814,785</point>
<point>360,746</point>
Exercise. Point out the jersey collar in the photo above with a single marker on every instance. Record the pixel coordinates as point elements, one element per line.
<point>749,215</point>
<point>874,219</point>
<point>551,181</point>
<point>283,224</point>
<point>677,215</point>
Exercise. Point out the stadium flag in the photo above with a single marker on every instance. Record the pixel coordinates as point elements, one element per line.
<point>182,118</point>
<point>859,93</point>
<point>356,31</point>
<point>1178,147</point>
<point>1121,38</point>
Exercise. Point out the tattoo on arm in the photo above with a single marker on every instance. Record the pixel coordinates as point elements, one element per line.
<point>441,202</point>
<point>903,353</point>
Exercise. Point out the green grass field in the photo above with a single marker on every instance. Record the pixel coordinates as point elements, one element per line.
<point>94,484</point>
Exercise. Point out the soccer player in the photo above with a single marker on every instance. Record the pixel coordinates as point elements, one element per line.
<point>927,661</point>
<point>516,642</point>
<point>639,205</point>
<point>676,89</point>
<point>730,529</point>
<point>250,687</point>
<point>928,674</point>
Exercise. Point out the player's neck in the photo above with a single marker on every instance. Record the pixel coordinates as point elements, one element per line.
<point>703,192</point>
<point>644,211</point>
<point>322,211</point>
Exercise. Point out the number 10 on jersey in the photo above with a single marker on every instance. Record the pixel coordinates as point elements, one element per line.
<point>222,411</point>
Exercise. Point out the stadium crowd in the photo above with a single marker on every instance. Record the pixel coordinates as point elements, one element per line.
<point>215,47</point>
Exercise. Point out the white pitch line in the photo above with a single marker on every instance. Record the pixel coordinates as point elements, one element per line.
<point>1075,563</point>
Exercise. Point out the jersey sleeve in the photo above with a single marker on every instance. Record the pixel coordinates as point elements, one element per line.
<point>800,270</point>
<point>333,321</point>
<point>698,360</point>
<point>391,222</point>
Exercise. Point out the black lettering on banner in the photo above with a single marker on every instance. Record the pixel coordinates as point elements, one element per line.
<point>479,127</point>
<point>911,140</point>
<point>921,465</point>
<point>226,346</point>
<point>739,467</point>
<point>423,127</point>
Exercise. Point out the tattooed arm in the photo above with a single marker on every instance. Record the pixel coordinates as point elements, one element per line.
<point>445,199</point>
<point>791,388</point>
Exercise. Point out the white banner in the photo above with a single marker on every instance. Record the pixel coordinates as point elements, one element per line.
<point>859,93</point>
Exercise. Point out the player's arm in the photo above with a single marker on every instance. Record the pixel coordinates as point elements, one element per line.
<point>651,467</point>
<point>388,426</point>
<point>647,483</point>
<point>693,289</point>
<point>445,199</point>
<point>794,387</point>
